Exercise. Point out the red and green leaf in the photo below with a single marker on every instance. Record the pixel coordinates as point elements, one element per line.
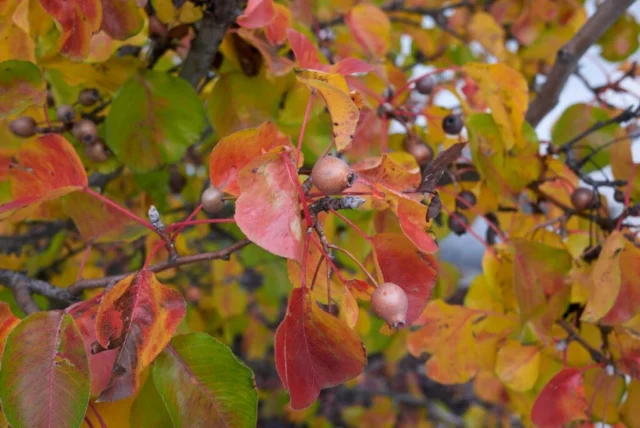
<point>200,379</point>
<point>79,20</point>
<point>314,350</point>
<point>44,168</point>
<point>7,322</point>
<point>138,315</point>
<point>121,19</point>
<point>44,380</point>
<point>401,263</point>
<point>562,400</point>
<point>267,210</point>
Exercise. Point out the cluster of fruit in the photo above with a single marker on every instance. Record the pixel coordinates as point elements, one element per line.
<point>83,129</point>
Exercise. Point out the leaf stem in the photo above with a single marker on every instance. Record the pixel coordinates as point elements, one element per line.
<point>189,218</point>
<point>357,262</point>
<point>119,208</point>
<point>182,224</point>
<point>304,126</point>
<point>350,223</point>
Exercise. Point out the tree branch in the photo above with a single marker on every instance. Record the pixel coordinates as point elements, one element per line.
<point>22,287</point>
<point>569,55</point>
<point>218,17</point>
<point>108,281</point>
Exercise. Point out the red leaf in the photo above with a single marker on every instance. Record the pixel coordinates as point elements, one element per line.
<point>258,14</point>
<point>44,168</point>
<point>306,52</point>
<point>100,364</point>
<point>79,20</point>
<point>277,31</point>
<point>348,66</point>
<point>7,322</point>
<point>121,19</point>
<point>400,262</point>
<point>314,350</point>
<point>561,401</point>
<point>235,151</point>
<point>267,210</point>
<point>139,315</point>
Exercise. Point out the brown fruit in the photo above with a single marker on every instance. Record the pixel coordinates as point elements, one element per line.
<point>85,131</point>
<point>452,124</point>
<point>618,196</point>
<point>422,153</point>
<point>24,127</point>
<point>211,200</point>
<point>425,85</point>
<point>88,97</point>
<point>458,223</point>
<point>65,113</point>
<point>390,303</point>
<point>583,199</point>
<point>193,295</point>
<point>97,151</point>
<point>468,197</point>
<point>332,175</point>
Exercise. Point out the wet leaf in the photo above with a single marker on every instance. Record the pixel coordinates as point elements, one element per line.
<point>371,28</point>
<point>562,400</point>
<point>21,85</point>
<point>121,19</point>
<point>507,95</point>
<point>267,210</point>
<point>79,20</point>
<point>314,350</point>
<point>138,315</point>
<point>44,168</point>
<point>343,111</point>
<point>401,263</point>
<point>200,380</point>
<point>44,362</point>
<point>153,119</point>
<point>517,365</point>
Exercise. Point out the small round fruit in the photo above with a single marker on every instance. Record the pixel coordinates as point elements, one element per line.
<point>23,127</point>
<point>583,199</point>
<point>88,97</point>
<point>468,197</point>
<point>458,223</point>
<point>425,85</point>
<point>85,131</point>
<point>97,151</point>
<point>390,303</point>
<point>452,124</point>
<point>211,200</point>
<point>618,196</point>
<point>422,153</point>
<point>65,113</point>
<point>193,295</point>
<point>332,175</point>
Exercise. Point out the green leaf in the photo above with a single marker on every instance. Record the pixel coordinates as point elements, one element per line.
<point>148,409</point>
<point>621,39</point>
<point>44,381</point>
<point>21,85</point>
<point>154,117</point>
<point>577,119</point>
<point>200,380</point>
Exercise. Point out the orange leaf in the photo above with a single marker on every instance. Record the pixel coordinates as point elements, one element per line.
<point>561,401</point>
<point>314,350</point>
<point>371,28</point>
<point>399,261</point>
<point>627,303</point>
<point>79,20</point>
<point>139,315</point>
<point>517,365</point>
<point>267,210</point>
<point>605,279</point>
<point>235,151</point>
<point>389,173</point>
<point>44,168</point>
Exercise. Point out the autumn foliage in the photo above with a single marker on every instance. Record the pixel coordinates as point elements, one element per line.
<point>228,213</point>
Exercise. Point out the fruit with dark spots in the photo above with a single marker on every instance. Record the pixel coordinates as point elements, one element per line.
<point>65,113</point>
<point>332,175</point>
<point>85,131</point>
<point>452,124</point>
<point>88,97</point>
<point>97,151</point>
<point>458,223</point>
<point>23,127</point>
<point>390,303</point>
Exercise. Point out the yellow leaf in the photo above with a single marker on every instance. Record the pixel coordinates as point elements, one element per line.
<point>343,111</point>
<point>517,365</point>
<point>630,414</point>
<point>605,279</point>
<point>484,28</point>
<point>507,94</point>
<point>371,28</point>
